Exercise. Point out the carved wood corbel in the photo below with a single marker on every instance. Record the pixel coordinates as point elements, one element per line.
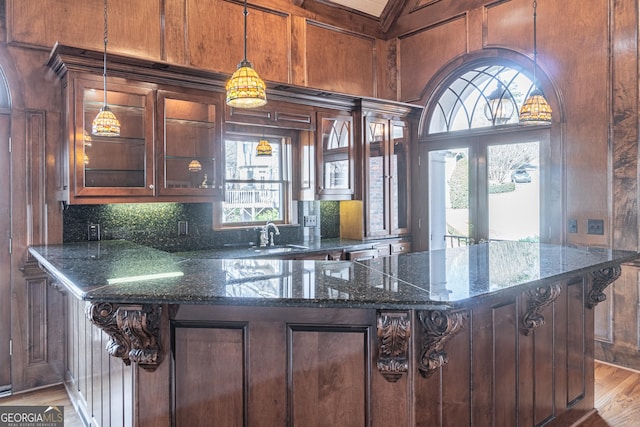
<point>439,327</point>
<point>133,331</point>
<point>394,331</point>
<point>600,280</point>
<point>539,298</point>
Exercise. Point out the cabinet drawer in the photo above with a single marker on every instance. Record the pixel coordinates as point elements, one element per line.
<point>273,115</point>
<point>400,247</point>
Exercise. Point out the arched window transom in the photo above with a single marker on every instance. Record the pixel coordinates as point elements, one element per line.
<point>485,96</point>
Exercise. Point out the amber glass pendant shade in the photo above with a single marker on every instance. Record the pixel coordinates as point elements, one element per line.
<point>263,148</point>
<point>245,89</point>
<point>105,123</point>
<point>536,109</point>
<point>195,166</point>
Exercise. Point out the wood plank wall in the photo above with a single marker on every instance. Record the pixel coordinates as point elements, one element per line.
<point>285,43</point>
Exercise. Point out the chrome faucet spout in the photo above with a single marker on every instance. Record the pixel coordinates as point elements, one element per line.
<point>264,233</point>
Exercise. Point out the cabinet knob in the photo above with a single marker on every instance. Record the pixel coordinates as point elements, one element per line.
<point>150,186</point>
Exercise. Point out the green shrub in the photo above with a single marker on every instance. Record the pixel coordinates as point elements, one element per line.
<point>459,185</point>
<point>505,187</point>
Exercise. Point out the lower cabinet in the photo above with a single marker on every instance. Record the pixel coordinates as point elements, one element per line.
<point>36,330</point>
<point>510,359</point>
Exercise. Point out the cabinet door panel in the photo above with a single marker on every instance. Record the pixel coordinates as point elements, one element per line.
<point>329,375</point>
<point>377,177</point>
<point>399,178</point>
<point>117,165</point>
<point>335,156</point>
<point>189,145</point>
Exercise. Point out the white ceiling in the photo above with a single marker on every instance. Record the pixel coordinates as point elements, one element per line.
<point>370,7</point>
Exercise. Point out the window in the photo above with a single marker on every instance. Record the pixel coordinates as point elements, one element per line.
<point>488,176</point>
<point>484,96</point>
<point>256,187</point>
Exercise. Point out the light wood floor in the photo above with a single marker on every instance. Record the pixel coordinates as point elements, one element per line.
<point>617,395</point>
<point>51,396</point>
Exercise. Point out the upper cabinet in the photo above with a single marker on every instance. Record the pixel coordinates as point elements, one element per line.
<point>173,120</point>
<point>335,156</point>
<point>169,147</point>
<point>381,206</point>
<point>108,165</point>
<point>189,155</point>
<point>386,176</point>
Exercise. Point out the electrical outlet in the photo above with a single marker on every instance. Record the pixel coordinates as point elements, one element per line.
<point>595,226</point>
<point>310,221</point>
<point>183,228</point>
<point>93,232</point>
<point>572,226</point>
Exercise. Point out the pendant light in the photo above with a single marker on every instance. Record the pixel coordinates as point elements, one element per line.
<point>195,166</point>
<point>536,109</point>
<point>105,123</point>
<point>264,148</point>
<point>245,89</point>
<point>499,107</point>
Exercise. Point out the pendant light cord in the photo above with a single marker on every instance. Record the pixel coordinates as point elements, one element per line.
<point>535,45</point>
<point>104,72</point>
<point>245,13</point>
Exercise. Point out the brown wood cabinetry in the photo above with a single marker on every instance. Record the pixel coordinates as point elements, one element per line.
<point>274,114</point>
<point>383,173</point>
<point>189,155</point>
<point>38,330</point>
<point>386,177</point>
<point>482,364</point>
<point>336,157</point>
<point>110,166</point>
<point>169,145</point>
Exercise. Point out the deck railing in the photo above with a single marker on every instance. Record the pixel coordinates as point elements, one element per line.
<point>259,198</point>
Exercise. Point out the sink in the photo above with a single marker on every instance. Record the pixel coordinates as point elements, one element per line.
<point>277,248</point>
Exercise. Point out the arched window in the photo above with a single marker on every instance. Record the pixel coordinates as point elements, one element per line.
<point>488,176</point>
<point>484,96</point>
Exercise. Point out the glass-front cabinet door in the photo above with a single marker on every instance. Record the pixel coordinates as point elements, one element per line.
<point>335,156</point>
<point>386,177</point>
<point>189,148</point>
<point>399,156</point>
<point>377,177</point>
<point>113,165</point>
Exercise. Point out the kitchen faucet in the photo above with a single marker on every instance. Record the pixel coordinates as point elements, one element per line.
<point>264,238</point>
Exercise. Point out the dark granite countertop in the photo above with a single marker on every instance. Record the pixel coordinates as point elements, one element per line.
<point>246,250</point>
<point>123,272</point>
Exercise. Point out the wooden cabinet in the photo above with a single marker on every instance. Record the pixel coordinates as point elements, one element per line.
<point>111,166</point>
<point>335,156</point>
<point>37,329</point>
<point>274,114</point>
<point>383,172</point>
<point>168,148</point>
<point>189,155</point>
<point>386,177</point>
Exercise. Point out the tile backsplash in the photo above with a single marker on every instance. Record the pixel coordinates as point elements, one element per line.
<point>156,225</point>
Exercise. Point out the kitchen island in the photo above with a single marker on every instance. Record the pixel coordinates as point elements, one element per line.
<point>499,333</point>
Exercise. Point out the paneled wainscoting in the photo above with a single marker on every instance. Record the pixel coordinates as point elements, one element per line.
<point>617,399</point>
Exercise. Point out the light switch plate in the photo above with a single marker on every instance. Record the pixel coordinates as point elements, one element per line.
<point>310,221</point>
